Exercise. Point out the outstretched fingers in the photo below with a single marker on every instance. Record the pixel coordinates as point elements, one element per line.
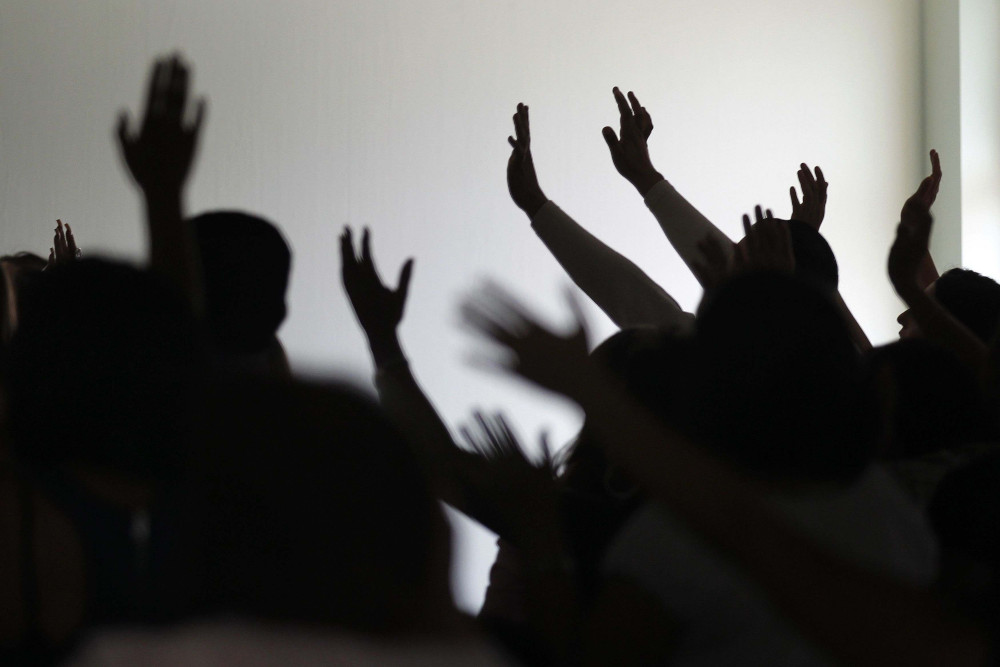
<point>403,285</point>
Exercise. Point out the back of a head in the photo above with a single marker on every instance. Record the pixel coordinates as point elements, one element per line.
<point>101,369</point>
<point>928,399</point>
<point>815,262</point>
<point>777,386</point>
<point>246,263</point>
<point>972,298</point>
<point>306,506</point>
<point>648,363</point>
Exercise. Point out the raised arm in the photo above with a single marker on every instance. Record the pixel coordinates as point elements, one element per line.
<point>811,209</point>
<point>620,288</point>
<point>159,157</point>
<point>684,226</point>
<point>907,262</point>
<point>379,310</point>
<point>860,617</point>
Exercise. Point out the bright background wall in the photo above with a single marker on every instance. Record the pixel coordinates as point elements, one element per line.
<point>394,114</point>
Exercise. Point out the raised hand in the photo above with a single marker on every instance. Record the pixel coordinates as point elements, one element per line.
<point>628,148</point>
<point>63,248</point>
<point>379,309</point>
<point>548,359</point>
<point>909,250</point>
<point>495,441</point>
<point>160,154</point>
<point>521,178</point>
<point>512,494</point>
<point>812,209</point>
<point>922,200</point>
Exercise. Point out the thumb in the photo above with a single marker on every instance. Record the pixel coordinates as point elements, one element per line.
<point>611,139</point>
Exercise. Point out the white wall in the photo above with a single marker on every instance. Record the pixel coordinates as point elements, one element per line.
<point>980,128</point>
<point>394,114</point>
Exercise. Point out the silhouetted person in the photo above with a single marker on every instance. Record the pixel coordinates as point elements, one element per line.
<point>245,267</point>
<point>100,381</point>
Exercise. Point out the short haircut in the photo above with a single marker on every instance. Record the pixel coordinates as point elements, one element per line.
<point>245,262</point>
<point>972,298</point>
<point>777,388</point>
<point>814,258</point>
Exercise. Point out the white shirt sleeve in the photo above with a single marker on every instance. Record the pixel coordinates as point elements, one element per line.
<point>683,224</point>
<point>620,288</point>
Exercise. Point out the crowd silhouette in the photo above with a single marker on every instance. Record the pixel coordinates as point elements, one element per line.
<point>754,483</point>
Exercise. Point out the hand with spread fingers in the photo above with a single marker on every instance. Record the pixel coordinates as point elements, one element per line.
<point>378,308</point>
<point>629,151</point>
<point>160,153</point>
<point>812,209</point>
<point>522,182</point>
<point>546,358</point>
<point>63,248</point>
<point>513,495</point>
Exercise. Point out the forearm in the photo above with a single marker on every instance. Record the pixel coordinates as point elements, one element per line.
<point>620,288</point>
<point>928,272</point>
<point>172,250</point>
<point>684,226</point>
<point>407,405</point>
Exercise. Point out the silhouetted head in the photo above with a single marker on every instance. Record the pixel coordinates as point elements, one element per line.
<point>970,297</point>
<point>814,259</point>
<point>245,263</point>
<point>777,385</point>
<point>927,399</point>
<point>306,506</point>
<point>648,363</point>
<point>101,369</point>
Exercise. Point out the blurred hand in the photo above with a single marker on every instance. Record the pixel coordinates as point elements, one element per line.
<point>552,361</point>
<point>521,178</point>
<point>159,156</point>
<point>812,209</point>
<point>378,308</point>
<point>629,151</point>
<point>63,248</point>
<point>513,495</point>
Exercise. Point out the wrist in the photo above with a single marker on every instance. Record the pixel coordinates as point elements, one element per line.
<point>533,204</point>
<point>385,347</point>
<point>645,181</point>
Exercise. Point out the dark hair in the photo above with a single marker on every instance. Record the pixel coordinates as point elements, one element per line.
<point>814,258</point>
<point>777,388</point>
<point>932,401</point>
<point>246,263</point>
<point>972,298</point>
<point>305,505</point>
<point>101,368</point>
